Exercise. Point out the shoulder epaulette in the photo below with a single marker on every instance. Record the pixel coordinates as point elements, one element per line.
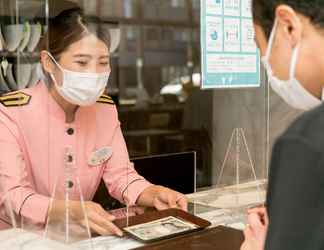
<point>15,99</point>
<point>106,99</point>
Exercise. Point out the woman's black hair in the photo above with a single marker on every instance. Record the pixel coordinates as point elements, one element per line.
<point>68,27</point>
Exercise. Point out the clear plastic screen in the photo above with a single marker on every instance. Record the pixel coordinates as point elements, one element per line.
<point>15,233</point>
<point>239,156</point>
<point>37,164</point>
<point>20,32</point>
<point>245,123</point>
<point>91,143</point>
<point>236,134</point>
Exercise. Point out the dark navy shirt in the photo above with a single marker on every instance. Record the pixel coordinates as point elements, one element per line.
<point>295,199</point>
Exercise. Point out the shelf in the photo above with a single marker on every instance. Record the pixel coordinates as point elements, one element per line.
<point>121,20</point>
<point>146,22</point>
<point>22,54</point>
<point>24,57</point>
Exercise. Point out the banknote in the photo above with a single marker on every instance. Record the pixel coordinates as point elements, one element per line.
<point>160,228</point>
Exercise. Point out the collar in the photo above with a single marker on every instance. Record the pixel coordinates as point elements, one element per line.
<point>83,114</point>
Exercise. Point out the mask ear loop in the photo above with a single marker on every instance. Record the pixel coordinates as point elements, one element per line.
<point>53,59</point>
<point>293,64</point>
<point>58,65</point>
<point>271,40</point>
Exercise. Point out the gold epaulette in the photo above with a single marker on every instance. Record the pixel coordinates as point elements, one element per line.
<point>106,99</point>
<point>15,99</point>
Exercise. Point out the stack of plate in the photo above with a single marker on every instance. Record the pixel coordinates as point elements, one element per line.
<point>18,76</point>
<point>20,37</point>
<point>18,40</point>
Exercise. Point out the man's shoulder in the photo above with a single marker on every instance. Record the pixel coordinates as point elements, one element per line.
<point>309,127</point>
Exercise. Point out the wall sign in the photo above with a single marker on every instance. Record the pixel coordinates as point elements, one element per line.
<point>230,58</point>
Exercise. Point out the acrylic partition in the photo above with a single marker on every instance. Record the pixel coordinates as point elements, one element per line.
<point>246,120</point>
<point>42,174</point>
<point>212,145</point>
<point>246,124</point>
<point>239,155</point>
<point>94,152</point>
<point>21,28</point>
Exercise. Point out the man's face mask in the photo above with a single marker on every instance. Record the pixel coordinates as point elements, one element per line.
<point>292,91</point>
<point>82,89</point>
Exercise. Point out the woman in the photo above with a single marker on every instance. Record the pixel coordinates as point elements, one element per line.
<point>66,115</point>
<point>290,35</point>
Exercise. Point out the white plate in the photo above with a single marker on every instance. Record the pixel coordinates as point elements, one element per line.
<point>3,83</point>
<point>13,34</point>
<point>2,42</point>
<point>26,37</point>
<point>10,78</point>
<point>23,74</point>
<point>115,33</point>
<point>36,31</point>
<point>35,77</point>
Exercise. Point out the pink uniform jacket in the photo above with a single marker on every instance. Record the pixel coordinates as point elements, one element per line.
<point>32,125</point>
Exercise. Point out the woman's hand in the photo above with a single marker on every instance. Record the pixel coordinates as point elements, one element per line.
<point>99,220</point>
<point>256,231</point>
<point>162,198</point>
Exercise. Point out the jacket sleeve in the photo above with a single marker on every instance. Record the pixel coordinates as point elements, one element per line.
<point>16,184</point>
<point>122,180</point>
<point>295,196</point>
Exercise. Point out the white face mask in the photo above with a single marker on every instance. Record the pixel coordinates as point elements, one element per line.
<point>292,91</point>
<point>82,89</point>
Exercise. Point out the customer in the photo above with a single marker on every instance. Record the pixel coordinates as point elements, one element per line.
<point>290,35</point>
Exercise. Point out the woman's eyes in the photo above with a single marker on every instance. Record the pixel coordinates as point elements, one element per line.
<point>104,63</point>
<point>82,63</point>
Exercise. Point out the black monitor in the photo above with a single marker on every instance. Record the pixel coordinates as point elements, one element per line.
<point>176,171</point>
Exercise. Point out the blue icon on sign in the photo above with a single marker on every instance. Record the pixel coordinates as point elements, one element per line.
<point>214,35</point>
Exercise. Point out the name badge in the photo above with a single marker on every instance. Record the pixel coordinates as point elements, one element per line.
<point>99,156</point>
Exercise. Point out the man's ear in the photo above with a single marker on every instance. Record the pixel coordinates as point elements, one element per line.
<point>47,62</point>
<point>289,24</point>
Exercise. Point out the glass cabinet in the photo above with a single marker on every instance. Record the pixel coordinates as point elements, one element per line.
<point>23,23</point>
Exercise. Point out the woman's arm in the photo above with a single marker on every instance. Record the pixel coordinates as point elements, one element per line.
<point>15,177</point>
<point>16,186</point>
<point>121,179</point>
<point>127,186</point>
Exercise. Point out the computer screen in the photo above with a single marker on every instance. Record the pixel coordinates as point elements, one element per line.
<point>176,171</point>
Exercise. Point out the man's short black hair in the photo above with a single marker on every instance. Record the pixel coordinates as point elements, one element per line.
<point>264,11</point>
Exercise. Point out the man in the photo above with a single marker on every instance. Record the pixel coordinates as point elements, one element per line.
<point>290,35</point>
